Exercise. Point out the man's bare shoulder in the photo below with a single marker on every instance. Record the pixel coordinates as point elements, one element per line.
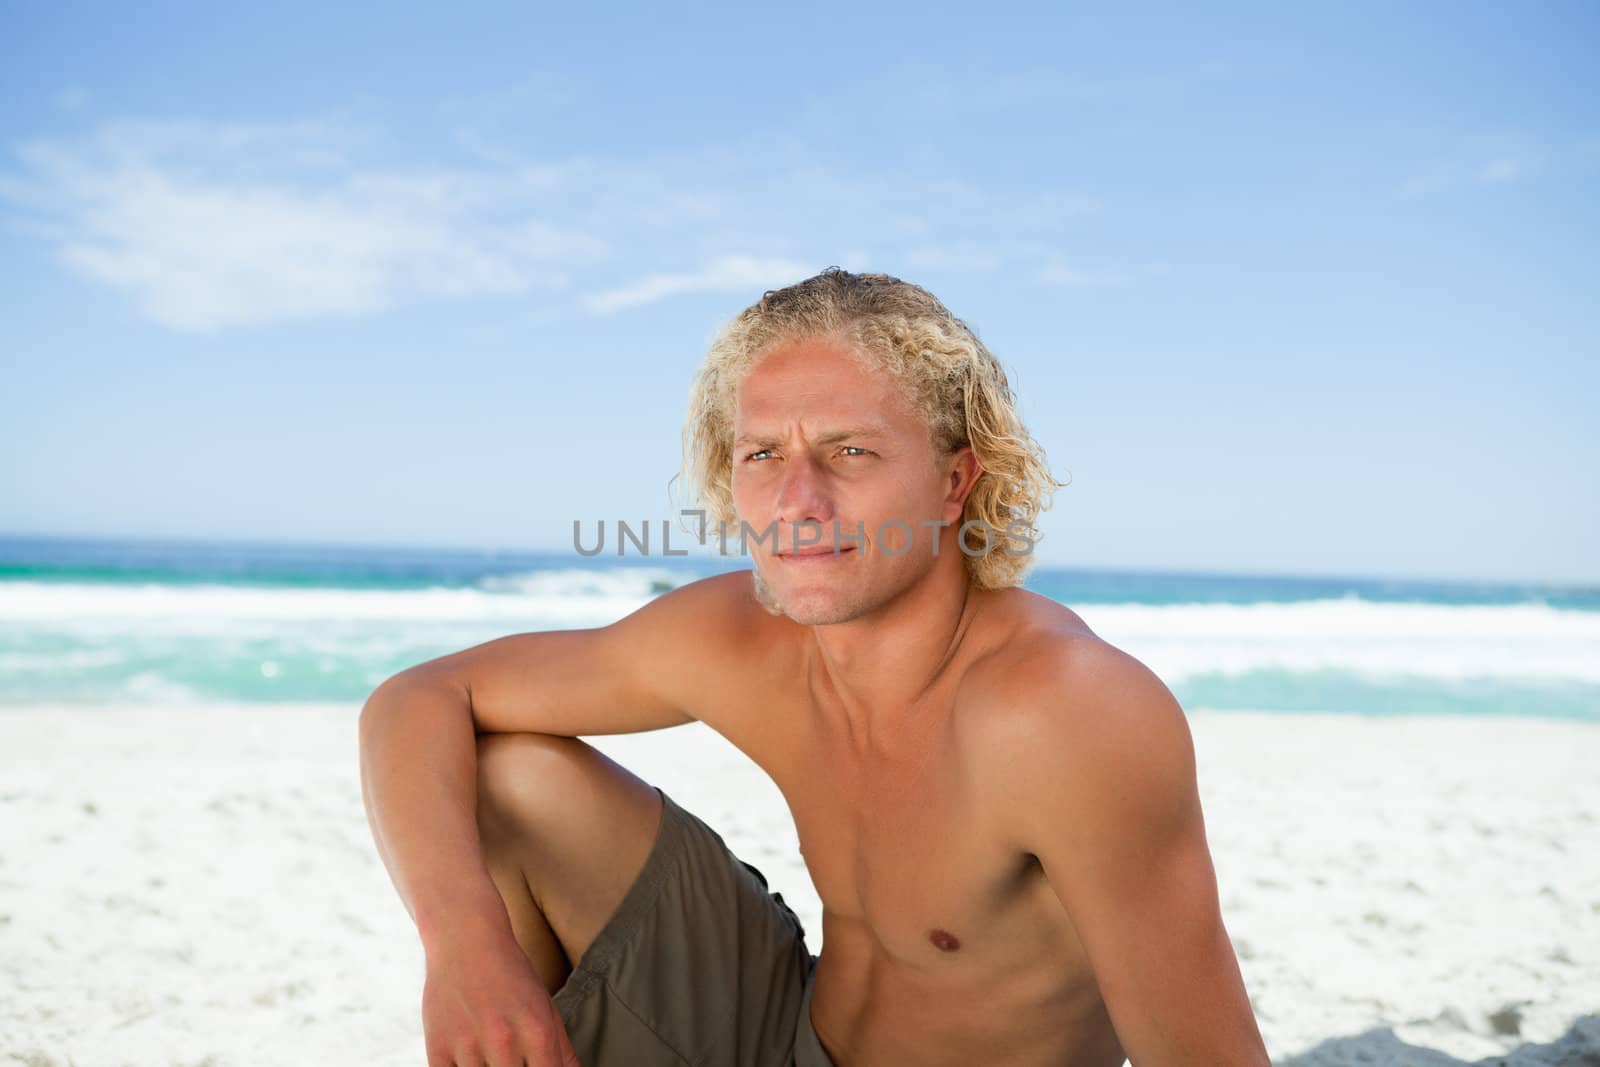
<point>1024,637</point>
<point>1037,654</point>
<point>720,610</point>
<point>711,648</point>
<point>713,624</point>
<point>732,592</point>
<point>1055,698</point>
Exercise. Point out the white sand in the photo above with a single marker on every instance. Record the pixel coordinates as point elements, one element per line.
<point>200,887</point>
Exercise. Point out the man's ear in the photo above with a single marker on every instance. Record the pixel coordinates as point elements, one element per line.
<point>963,471</point>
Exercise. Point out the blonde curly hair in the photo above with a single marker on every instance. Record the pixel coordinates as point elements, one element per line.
<point>959,388</point>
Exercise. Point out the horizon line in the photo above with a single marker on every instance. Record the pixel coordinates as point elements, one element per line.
<point>702,553</point>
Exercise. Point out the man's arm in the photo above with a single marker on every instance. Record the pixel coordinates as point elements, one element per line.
<point>1103,782</point>
<point>418,739</point>
<point>418,731</point>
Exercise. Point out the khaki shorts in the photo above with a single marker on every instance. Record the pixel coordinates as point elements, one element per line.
<point>700,966</point>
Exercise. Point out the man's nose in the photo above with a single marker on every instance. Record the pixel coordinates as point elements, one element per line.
<point>803,493</point>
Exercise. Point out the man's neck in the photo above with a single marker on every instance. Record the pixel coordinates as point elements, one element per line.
<point>878,666</point>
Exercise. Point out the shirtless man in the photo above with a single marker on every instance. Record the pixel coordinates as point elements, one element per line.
<point>998,809</point>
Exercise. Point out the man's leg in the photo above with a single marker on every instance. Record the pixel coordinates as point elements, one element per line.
<point>565,832</point>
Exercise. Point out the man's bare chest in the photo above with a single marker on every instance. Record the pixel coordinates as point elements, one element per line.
<point>904,845</point>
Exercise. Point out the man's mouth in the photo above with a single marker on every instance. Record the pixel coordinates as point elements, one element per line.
<point>815,552</point>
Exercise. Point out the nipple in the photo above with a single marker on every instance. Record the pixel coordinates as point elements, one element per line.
<point>944,940</point>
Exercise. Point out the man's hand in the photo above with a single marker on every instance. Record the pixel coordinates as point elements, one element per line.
<point>484,1006</point>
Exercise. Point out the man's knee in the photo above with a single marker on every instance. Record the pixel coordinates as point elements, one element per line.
<point>555,790</point>
<point>520,775</point>
<point>571,826</point>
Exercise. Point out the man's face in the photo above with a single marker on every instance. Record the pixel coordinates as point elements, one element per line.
<point>822,438</point>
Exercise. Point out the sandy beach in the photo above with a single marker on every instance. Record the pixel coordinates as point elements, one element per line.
<point>198,886</point>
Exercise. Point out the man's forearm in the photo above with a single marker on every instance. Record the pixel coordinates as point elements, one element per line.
<point>419,782</point>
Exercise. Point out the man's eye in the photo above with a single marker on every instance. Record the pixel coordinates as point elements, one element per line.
<point>758,455</point>
<point>852,449</point>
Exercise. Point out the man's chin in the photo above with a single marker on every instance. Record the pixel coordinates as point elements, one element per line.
<point>810,608</point>
<point>815,614</point>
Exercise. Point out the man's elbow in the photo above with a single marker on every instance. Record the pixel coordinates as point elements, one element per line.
<point>379,702</point>
<point>411,689</point>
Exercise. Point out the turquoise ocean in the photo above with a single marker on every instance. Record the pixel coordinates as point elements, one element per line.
<point>133,622</point>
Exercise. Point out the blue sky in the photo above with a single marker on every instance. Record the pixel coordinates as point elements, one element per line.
<point>1284,289</point>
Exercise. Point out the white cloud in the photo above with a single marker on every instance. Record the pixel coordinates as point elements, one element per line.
<point>206,226</point>
<point>213,226</point>
<point>726,272</point>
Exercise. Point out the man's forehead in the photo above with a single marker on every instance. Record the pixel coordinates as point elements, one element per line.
<point>820,387</point>
<point>804,364</point>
